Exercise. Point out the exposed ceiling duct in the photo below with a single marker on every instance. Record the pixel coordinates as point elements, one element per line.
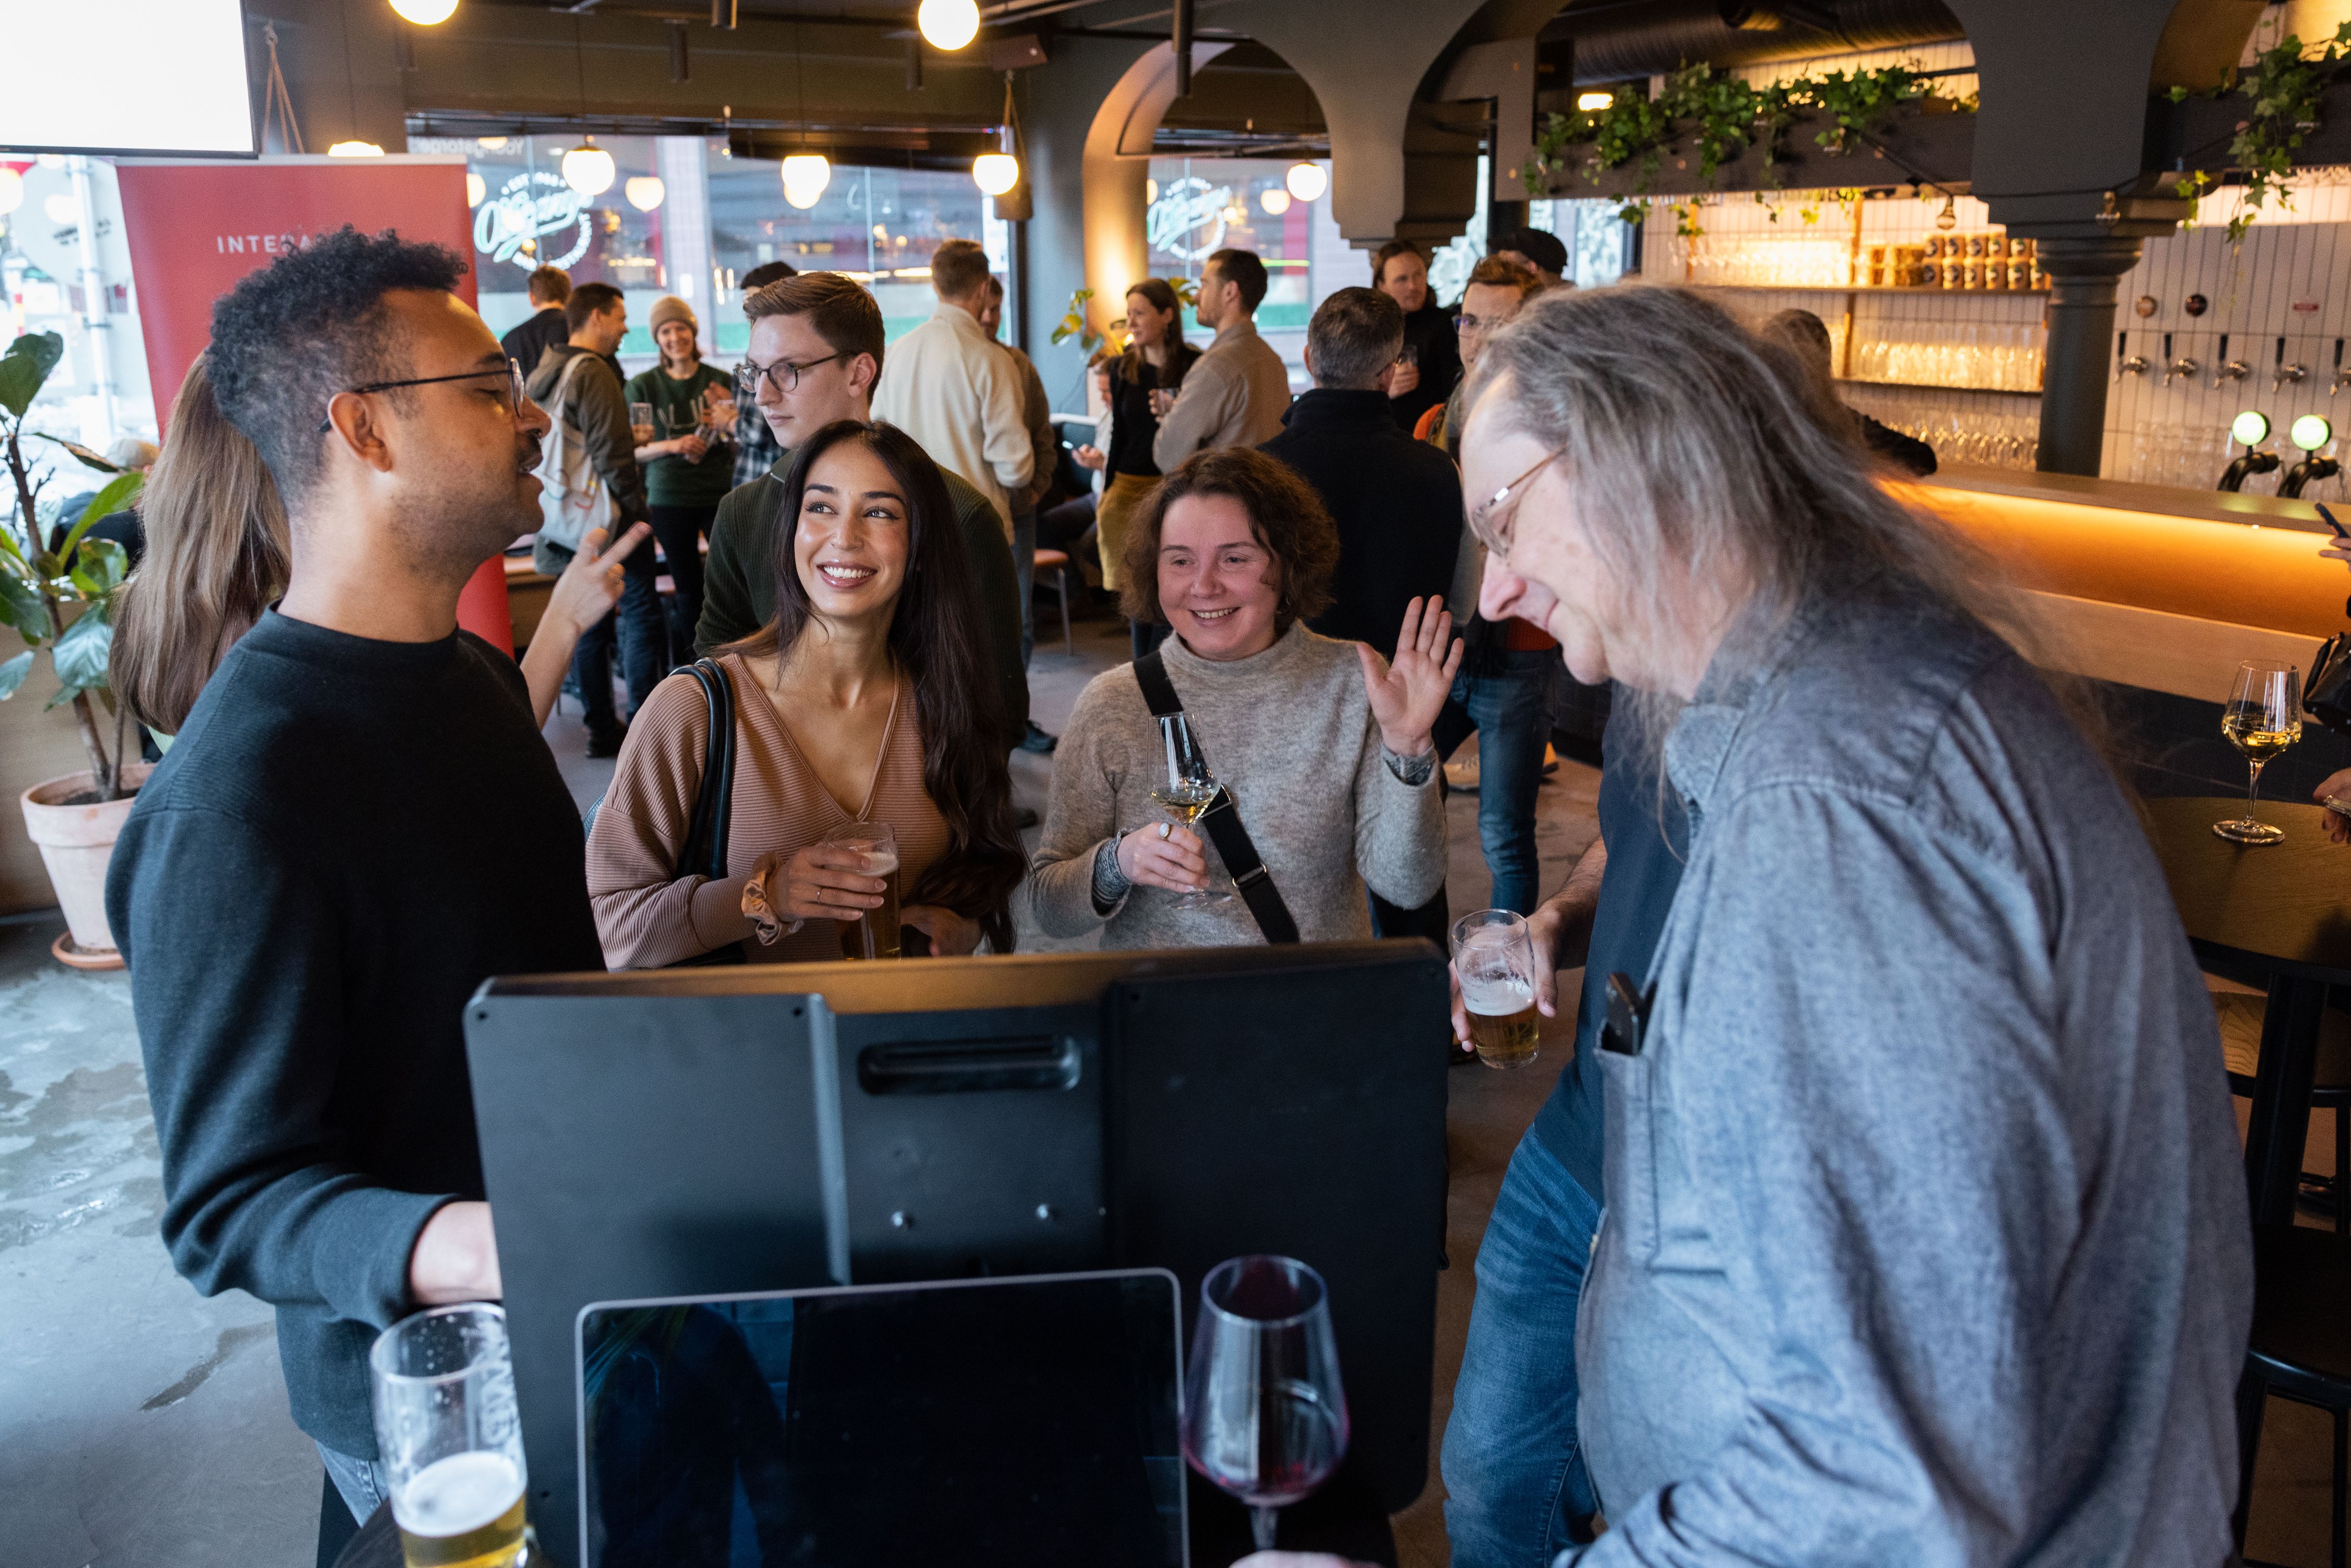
<point>1619,40</point>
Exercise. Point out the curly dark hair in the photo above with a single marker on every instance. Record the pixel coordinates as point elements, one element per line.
<point>288,337</point>
<point>1285,516</point>
<point>936,636</point>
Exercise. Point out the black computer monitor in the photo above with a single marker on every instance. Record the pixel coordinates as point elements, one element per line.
<point>709,1131</point>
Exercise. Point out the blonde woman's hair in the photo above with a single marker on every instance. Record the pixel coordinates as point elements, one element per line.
<point>216,558</point>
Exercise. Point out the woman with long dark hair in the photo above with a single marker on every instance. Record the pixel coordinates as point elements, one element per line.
<point>1154,361</point>
<point>855,705</point>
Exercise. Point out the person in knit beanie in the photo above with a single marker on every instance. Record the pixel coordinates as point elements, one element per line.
<point>688,456</point>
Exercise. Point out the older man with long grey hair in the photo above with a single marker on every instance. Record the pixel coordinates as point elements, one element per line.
<point>1925,1240</point>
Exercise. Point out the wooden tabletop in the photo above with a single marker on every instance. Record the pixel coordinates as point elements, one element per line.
<point>2285,907</point>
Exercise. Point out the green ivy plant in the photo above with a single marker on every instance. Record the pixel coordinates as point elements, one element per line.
<point>1719,117</point>
<point>2286,88</point>
<point>63,599</point>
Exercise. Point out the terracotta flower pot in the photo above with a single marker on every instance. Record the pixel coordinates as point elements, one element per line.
<point>76,842</point>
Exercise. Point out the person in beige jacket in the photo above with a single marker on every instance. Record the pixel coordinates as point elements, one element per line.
<point>1237,392</point>
<point>951,386</point>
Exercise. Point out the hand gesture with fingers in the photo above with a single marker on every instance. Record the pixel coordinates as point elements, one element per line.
<point>590,585</point>
<point>1407,695</point>
<point>1165,855</point>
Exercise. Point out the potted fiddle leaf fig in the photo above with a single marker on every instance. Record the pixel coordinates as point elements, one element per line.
<point>58,592</point>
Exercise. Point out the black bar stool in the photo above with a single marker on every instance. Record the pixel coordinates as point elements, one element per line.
<point>2241,1018</point>
<point>2300,1351</point>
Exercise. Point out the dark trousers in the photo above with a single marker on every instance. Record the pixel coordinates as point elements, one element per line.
<point>644,646</point>
<point>681,531</point>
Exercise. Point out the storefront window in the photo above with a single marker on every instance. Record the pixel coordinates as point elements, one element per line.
<point>1202,205</point>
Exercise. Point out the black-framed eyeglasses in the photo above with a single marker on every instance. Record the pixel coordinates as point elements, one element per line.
<point>1489,524</point>
<point>513,372</point>
<point>786,374</point>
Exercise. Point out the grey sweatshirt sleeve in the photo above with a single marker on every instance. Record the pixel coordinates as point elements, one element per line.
<point>1208,399</point>
<point>1399,828</point>
<point>1081,813</point>
<point>1898,1205</point>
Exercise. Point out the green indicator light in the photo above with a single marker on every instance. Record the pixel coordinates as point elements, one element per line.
<point>2250,428</point>
<point>2312,431</point>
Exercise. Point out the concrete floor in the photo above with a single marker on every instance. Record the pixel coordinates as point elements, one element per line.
<point>140,1424</point>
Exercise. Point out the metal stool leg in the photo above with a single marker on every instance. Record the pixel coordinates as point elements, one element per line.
<point>1061,591</point>
<point>2252,1397</point>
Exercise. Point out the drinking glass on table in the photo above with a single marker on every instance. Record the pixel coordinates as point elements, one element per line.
<point>1494,962</point>
<point>875,934</point>
<point>1265,1416</point>
<point>450,1437</point>
<point>1186,794</point>
<point>2263,718</point>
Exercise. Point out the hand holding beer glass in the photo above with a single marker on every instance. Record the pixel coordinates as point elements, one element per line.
<point>641,423</point>
<point>1494,963</point>
<point>451,1439</point>
<point>873,934</point>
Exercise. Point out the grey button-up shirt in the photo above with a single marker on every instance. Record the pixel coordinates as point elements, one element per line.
<point>1927,1239</point>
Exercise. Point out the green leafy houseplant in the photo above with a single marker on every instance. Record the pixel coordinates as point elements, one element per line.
<point>63,599</point>
<point>1074,324</point>
<point>2284,89</point>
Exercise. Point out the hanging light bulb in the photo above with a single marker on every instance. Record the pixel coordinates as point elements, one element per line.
<point>476,189</point>
<point>806,174</point>
<point>490,143</point>
<point>424,13</point>
<point>996,173</point>
<point>354,150</point>
<point>1594,103</point>
<point>11,190</point>
<point>1274,200</point>
<point>587,169</point>
<point>644,191</point>
<point>1948,218</point>
<point>948,25</point>
<point>1307,182</point>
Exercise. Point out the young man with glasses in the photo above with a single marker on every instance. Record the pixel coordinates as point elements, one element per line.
<point>357,825</point>
<point>815,353</point>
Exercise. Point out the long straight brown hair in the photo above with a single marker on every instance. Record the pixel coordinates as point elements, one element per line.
<point>935,637</point>
<point>216,558</point>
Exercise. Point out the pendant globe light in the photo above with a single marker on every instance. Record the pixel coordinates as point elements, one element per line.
<point>1274,200</point>
<point>948,24</point>
<point>1307,182</point>
<point>996,172</point>
<point>806,174</point>
<point>645,192</point>
<point>355,150</point>
<point>424,13</point>
<point>587,169</point>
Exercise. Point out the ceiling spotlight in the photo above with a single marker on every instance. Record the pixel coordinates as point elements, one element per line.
<point>587,169</point>
<point>996,173</point>
<point>1594,103</point>
<point>1274,200</point>
<point>1306,180</point>
<point>476,189</point>
<point>2249,428</point>
<point>948,25</point>
<point>2311,432</point>
<point>806,174</point>
<point>11,190</point>
<point>644,191</point>
<point>354,150</point>
<point>424,13</point>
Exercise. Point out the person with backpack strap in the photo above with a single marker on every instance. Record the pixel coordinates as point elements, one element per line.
<point>1322,746</point>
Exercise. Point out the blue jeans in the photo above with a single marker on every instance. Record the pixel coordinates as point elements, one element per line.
<point>1024,572</point>
<point>1514,1475</point>
<point>643,645</point>
<point>1510,706</point>
<point>362,1482</point>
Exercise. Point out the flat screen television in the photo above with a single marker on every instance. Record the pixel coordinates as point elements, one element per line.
<point>127,77</point>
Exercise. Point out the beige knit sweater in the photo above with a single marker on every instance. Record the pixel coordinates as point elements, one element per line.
<point>1290,733</point>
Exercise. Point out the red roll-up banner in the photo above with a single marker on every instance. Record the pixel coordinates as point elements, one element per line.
<point>195,227</point>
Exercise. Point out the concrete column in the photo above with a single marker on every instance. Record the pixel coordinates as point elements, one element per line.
<point>2082,276</point>
<point>686,229</point>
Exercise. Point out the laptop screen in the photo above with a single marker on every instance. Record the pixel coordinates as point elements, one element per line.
<point>1029,1420</point>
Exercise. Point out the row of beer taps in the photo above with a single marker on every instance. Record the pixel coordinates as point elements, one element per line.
<point>2281,375</point>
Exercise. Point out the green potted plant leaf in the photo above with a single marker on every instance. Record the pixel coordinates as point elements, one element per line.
<point>62,599</point>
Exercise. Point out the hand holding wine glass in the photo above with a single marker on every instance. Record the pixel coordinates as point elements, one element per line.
<point>1186,793</point>
<point>2264,717</point>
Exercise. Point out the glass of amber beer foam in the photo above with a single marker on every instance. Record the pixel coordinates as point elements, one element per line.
<point>875,934</point>
<point>1494,962</point>
<point>450,1437</point>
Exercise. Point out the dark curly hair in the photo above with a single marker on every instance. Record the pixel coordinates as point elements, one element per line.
<point>288,337</point>
<point>1285,516</point>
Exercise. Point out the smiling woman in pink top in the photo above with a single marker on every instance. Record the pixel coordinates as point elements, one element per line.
<point>854,704</point>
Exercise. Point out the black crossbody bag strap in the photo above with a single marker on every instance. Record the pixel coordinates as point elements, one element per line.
<point>704,853</point>
<point>1222,821</point>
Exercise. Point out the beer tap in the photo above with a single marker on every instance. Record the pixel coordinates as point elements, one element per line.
<point>2249,429</point>
<point>2311,432</point>
<point>2231,370</point>
<point>2182,366</point>
<point>2126,362</point>
<point>2286,372</point>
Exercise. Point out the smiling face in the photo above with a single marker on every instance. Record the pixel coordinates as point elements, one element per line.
<point>1404,280</point>
<point>853,538</point>
<point>676,340</point>
<point>1217,585</point>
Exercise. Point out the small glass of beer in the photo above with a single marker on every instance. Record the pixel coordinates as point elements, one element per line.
<point>451,1439</point>
<point>1494,961</point>
<point>875,934</point>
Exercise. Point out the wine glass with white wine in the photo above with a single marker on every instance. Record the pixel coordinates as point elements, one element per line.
<point>1186,794</point>
<point>2263,718</point>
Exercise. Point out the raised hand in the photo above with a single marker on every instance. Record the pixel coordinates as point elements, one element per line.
<point>590,585</point>
<point>1407,695</point>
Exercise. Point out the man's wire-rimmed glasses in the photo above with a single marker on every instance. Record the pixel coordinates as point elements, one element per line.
<point>513,372</point>
<point>786,374</point>
<point>1490,524</point>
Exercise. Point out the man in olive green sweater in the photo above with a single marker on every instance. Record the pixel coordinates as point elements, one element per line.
<point>815,354</point>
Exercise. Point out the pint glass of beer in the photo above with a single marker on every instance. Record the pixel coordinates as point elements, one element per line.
<point>875,934</point>
<point>1494,960</point>
<point>450,1437</point>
